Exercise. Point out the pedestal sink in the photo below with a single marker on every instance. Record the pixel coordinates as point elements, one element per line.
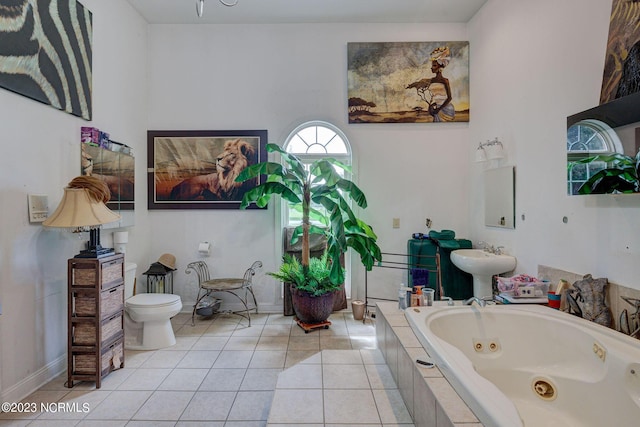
<point>482,265</point>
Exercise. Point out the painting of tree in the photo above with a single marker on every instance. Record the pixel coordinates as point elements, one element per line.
<point>408,82</point>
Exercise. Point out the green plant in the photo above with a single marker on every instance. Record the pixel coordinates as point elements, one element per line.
<point>621,177</point>
<point>318,184</point>
<point>316,281</point>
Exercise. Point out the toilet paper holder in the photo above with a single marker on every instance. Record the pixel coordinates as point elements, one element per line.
<point>204,248</point>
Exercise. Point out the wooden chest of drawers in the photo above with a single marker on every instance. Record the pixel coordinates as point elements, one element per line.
<point>96,318</point>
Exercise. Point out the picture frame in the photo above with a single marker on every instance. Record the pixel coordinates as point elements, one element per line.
<point>619,78</point>
<point>408,82</point>
<point>53,63</point>
<point>196,169</point>
<point>115,169</point>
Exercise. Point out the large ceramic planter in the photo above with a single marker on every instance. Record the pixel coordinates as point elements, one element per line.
<point>310,309</point>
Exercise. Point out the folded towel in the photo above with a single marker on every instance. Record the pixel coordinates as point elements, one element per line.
<point>442,235</point>
<point>454,244</point>
<point>420,276</point>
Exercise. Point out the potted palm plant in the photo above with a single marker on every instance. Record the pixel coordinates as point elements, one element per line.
<point>322,194</point>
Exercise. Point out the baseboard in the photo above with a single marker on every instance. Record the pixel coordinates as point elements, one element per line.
<point>36,380</point>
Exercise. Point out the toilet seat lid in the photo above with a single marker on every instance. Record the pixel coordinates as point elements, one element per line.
<point>152,300</point>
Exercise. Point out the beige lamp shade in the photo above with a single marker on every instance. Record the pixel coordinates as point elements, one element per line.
<point>78,211</point>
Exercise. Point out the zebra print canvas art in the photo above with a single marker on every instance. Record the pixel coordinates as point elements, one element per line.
<point>45,52</point>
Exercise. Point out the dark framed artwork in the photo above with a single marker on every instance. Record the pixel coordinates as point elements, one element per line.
<point>408,82</point>
<point>46,53</point>
<point>193,169</point>
<point>622,61</point>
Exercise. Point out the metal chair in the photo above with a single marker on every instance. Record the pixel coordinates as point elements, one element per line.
<point>233,286</point>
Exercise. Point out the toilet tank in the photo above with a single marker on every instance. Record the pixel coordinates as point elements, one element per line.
<point>129,278</point>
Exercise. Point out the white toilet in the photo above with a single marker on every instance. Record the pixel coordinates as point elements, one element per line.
<point>147,324</point>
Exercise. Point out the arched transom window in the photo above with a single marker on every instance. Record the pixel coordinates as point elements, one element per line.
<point>311,141</point>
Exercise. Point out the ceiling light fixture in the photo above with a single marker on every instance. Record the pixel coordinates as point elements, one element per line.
<point>200,5</point>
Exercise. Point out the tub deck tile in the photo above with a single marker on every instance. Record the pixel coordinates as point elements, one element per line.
<point>452,404</point>
<point>396,319</point>
<point>407,337</point>
<point>436,402</point>
<point>420,353</point>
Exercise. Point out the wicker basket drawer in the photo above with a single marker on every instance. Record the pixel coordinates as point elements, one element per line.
<point>85,333</point>
<point>89,272</point>
<point>112,273</point>
<point>84,277</point>
<point>112,358</point>
<point>111,301</point>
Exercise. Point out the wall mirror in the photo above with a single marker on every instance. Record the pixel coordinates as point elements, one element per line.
<point>499,197</point>
<point>602,147</point>
<point>117,170</point>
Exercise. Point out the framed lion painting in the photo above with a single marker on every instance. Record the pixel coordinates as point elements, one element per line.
<point>408,82</point>
<point>192,169</point>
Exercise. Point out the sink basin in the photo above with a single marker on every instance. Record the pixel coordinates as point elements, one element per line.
<point>482,266</point>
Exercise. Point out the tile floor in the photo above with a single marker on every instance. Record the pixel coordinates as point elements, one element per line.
<point>223,373</point>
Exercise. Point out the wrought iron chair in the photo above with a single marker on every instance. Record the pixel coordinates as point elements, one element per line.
<point>238,287</point>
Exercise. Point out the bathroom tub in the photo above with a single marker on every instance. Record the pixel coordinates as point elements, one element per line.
<point>533,366</point>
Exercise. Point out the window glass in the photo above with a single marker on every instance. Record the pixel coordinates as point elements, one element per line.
<point>585,139</point>
<point>310,141</point>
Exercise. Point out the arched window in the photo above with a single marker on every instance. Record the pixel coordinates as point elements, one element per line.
<point>311,141</point>
<point>585,139</point>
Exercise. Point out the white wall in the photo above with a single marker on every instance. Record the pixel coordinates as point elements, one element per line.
<point>41,154</point>
<point>275,77</point>
<point>533,64</point>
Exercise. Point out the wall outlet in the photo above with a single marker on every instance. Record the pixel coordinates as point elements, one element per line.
<point>396,222</point>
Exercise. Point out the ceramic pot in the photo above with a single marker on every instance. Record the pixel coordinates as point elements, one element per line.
<point>310,309</point>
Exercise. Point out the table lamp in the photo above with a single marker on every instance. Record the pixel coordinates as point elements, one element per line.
<point>83,209</point>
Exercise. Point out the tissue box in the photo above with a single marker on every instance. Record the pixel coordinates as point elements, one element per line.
<point>505,284</point>
<point>90,135</point>
<point>535,289</point>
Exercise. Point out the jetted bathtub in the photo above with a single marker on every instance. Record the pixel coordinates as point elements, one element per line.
<point>531,365</point>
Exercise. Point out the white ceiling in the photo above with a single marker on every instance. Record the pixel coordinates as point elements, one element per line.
<point>307,11</point>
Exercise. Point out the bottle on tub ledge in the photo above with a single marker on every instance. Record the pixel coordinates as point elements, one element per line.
<point>417,299</point>
<point>403,295</point>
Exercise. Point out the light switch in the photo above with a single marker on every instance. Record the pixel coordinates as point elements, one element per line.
<point>396,222</point>
<point>38,207</point>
